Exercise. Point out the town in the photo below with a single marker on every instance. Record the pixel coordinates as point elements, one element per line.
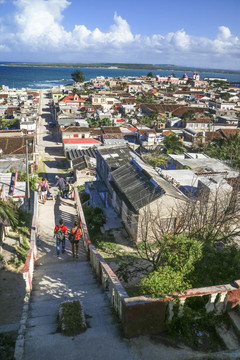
<point>153,165</point>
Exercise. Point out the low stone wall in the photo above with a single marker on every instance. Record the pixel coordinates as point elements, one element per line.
<point>143,316</point>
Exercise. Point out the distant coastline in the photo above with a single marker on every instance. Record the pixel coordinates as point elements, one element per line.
<point>157,67</point>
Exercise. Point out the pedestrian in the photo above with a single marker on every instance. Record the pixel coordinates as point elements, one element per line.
<point>61,183</point>
<point>43,187</point>
<point>74,237</point>
<point>60,231</point>
<point>66,190</point>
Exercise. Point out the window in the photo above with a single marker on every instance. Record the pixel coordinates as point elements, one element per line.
<point>75,135</point>
<point>83,136</point>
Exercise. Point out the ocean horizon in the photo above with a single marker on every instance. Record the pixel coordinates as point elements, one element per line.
<point>44,77</point>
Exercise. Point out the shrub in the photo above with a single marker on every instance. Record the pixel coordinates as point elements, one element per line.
<point>95,217</point>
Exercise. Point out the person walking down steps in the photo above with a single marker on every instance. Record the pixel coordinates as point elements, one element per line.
<point>44,188</point>
<point>60,232</point>
<point>62,185</point>
<point>74,237</point>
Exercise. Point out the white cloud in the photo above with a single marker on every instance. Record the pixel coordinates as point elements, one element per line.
<point>39,29</point>
<point>224,33</point>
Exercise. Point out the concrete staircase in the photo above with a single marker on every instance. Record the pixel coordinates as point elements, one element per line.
<point>67,278</point>
<point>231,337</point>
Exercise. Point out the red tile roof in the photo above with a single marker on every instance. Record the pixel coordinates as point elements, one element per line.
<point>132,129</point>
<point>81,141</point>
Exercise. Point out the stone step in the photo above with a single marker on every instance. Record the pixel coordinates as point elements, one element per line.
<point>235,318</point>
<point>229,337</point>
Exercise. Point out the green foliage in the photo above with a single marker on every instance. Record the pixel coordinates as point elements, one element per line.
<point>225,96</point>
<point>173,144</point>
<point>148,99</point>
<point>10,123</point>
<point>33,180</point>
<point>177,259</point>
<point>217,266</point>
<point>84,197</point>
<point>71,321</point>
<point>156,159</point>
<point>24,220</point>
<point>226,149</point>
<point>81,188</point>
<point>163,281</point>
<point>22,251</point>
<point>99,122</point>
<point>8,213</point>
<point>95,217</point>
<point>78,76</point>
<point>198,333</point>
<point>150,74</point>
<point>188,115</point>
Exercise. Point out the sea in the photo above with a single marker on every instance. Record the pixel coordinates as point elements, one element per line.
<point>43,77</point>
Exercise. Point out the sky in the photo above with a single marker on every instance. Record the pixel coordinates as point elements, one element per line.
<point>202,33</point>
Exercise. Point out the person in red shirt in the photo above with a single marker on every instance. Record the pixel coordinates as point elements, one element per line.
<point>60,231</point>
<point>78,234</point>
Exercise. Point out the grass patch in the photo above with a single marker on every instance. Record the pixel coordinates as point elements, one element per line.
<point>71,320</point>
<point>41,166</point>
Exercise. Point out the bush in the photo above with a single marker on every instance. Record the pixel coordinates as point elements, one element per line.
<point>84,197</point>
<point>94,217</point>
<point>178,258</point>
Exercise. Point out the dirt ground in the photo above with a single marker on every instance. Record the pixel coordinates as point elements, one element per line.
<point>12,290</point>
<point>12,286</point>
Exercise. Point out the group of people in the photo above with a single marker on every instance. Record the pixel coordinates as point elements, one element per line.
<point>61,183</point>
<point>61,230</point>
<point>74,235</point>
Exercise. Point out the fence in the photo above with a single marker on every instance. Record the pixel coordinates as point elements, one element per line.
<point>32,252</point>
<point>143,315</point>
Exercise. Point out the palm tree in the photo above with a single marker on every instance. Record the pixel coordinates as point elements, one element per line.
<point>173,145</point>
<point>8,214</point>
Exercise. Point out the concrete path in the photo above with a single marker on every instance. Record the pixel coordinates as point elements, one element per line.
<point>66,278</point>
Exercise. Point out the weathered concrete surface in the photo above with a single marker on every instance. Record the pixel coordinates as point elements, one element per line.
<point>59,279</point>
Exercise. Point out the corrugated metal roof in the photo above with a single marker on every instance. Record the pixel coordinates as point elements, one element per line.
<point>75,153</point>
<point>135,185</point>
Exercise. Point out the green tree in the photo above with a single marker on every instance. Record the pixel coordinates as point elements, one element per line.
<point>225,96</point>
<point>150,74</point>
<point>176,259</point>
<point>8,213</point>
<point>173,145</point>
<point>78,76</point>
<point>226,149</point>
<point>188,115</point>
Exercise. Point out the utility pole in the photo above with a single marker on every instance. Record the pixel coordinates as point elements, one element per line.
<point>27,171</point>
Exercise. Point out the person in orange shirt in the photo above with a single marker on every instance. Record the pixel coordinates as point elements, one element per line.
<point>76,234</point>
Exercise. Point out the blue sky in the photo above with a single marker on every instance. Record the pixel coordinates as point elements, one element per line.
<point>181,32</point>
